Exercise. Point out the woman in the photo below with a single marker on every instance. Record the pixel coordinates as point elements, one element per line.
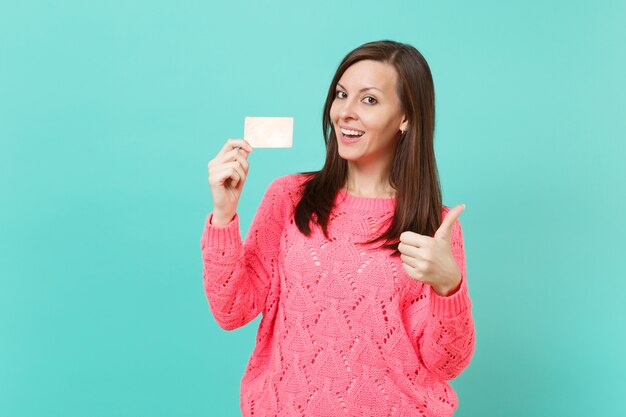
<point>349,327</point>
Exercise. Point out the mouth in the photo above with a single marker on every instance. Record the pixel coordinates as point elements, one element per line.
<point>349,135</point>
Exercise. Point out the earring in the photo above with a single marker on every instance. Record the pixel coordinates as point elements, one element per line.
<point>402,131</point>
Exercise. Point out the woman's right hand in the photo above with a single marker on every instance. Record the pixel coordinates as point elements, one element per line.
<point>227,174</point>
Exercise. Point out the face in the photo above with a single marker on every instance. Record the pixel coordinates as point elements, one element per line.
<point>366,101</point>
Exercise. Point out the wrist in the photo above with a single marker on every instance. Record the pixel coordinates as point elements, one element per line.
<point>218,219</point>
<point>446,290</point>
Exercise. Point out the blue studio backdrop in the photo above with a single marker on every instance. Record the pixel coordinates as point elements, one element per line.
<point>111,110</point>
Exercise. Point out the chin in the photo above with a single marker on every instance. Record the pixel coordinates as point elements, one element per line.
<point>347,155</point>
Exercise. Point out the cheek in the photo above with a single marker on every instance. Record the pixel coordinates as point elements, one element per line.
<point>387,130</point>
<point>376,120</point>
<point>373,126</point>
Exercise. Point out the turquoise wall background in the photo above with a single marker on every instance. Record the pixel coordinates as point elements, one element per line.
<point>111,110</point>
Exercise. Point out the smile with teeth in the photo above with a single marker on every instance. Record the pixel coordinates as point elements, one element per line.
<point>352,132</point>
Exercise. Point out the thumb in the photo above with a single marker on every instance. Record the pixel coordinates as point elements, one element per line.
<point>445,230</point>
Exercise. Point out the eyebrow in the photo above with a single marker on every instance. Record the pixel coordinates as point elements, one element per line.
<point>362,89</point>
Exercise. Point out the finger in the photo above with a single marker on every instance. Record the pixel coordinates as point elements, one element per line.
<point>244,164</point>
<point>219,175</point>
<point>230,173</point>
<point>415,239</point>
<point>419,266</point>
<point>248,146</point>
<point>241,156</point>
<point>235,172</point>
<point>411,251</point>
<point>410,261</point>
<point>445,230</point>
<point>412,272</point>
<point>234,154</point>
<point>234,166</point>
<point>235,177</point>
<point>231,156</point>
<point>233,144</point>
<point>240,174</point>
<point>242,151</point>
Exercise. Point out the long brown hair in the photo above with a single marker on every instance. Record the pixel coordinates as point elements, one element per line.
<point>413,174</point>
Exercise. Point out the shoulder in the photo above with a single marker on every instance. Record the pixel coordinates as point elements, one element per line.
<point>289,182</point>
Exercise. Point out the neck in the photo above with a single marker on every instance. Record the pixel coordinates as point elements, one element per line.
<point>368,182</point>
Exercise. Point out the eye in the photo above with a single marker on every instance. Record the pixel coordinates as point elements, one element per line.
<point>373,100</point>
<point>338,92</point>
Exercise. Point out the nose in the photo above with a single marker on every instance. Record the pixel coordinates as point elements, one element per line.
<point>347,110</point>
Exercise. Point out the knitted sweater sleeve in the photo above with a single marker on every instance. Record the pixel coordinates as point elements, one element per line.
<point>443,326</point>
<point>239,276</point>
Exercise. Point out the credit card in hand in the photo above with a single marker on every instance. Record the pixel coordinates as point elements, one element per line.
<point>268,132</point>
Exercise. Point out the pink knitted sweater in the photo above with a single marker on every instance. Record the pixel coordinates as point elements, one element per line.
<point>345,330</point>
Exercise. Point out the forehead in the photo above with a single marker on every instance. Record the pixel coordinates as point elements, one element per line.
<point>369,73</point>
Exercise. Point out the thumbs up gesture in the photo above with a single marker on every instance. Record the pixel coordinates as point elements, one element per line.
<point>429,259</point>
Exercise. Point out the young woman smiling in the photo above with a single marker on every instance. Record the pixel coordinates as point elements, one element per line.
<point>350,327</point>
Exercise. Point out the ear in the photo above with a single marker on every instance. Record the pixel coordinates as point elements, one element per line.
<point>405,123</point>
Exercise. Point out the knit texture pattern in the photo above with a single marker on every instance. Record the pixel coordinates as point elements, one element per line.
<point>345,331</point>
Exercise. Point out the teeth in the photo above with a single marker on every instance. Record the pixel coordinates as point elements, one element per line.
<point>351,132</point>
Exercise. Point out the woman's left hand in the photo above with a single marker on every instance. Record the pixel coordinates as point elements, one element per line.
<point>429,259</point>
